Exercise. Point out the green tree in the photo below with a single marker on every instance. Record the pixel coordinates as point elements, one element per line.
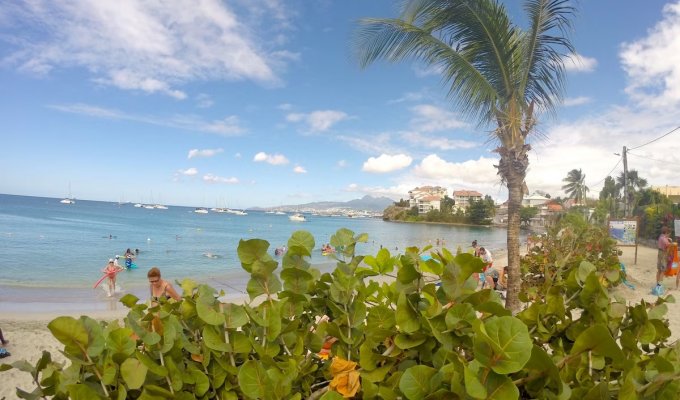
<point>575,186</point>
<point>402,203</point>
<point>609,196</point>
<point>527,213</point>
<point>495,72</point>
<point>447,205</point>
<point>480,212</point>
<point>634,183</point>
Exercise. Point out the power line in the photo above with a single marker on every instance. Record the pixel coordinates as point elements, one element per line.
<point>609,173</point>
<point>654,140</point>
<point>647,158</point>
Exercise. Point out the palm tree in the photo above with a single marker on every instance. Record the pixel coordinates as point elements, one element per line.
<point>634,183</point>
<point>576,187</point>
<point>495,72</point>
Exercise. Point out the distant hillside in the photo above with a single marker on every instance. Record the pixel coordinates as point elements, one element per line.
<point>369,203</point>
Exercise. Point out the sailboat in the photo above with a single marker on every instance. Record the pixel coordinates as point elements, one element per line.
<point>69,199</point>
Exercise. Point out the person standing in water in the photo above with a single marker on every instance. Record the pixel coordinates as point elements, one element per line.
<point>160,288</point>
<point>111,270</point>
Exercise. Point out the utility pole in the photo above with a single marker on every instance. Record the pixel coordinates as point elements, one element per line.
<point>625,183</point>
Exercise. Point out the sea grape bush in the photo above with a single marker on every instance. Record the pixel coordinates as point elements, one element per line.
<point>405,328</point>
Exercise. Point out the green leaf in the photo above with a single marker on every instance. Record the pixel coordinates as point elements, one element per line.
<point>404,341</point>
<point>473,385</point>
<point>82,392</point>
<point>415,382</point>
<point>303,240</point>
<point>501,387</point>
<point>151,364</point>
<point>585,269</point>
<point>407,273</point>
<point>234,316</point>
<point>503,344</point>
<point>133,372</point>
<point>214,340</point>
<point>407,318</point>
<point>208,314</point>
<point>598,339</point>
<point>202,384</point>
<point>70,332</point>
<point>252,379</point>
<point>250,251</point>
<point>129,300</point>
<point>119,341</point>
<point>331,395</point>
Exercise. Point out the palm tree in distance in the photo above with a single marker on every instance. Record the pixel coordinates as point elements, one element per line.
<point>575,186</point>
<point>635,184</point>
<point>496,73</point>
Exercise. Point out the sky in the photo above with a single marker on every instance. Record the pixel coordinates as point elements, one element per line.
<point>248,103</point>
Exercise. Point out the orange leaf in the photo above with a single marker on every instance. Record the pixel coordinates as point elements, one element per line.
<point>340,365</point>
<point>346,383</point>
<point>197,357</point>
<point>157,325</point>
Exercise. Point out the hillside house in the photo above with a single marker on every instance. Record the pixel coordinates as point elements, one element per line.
<point>463,198</point>
<point>426,198</point>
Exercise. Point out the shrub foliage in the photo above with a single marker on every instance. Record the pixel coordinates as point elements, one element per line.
<point>405,327</point>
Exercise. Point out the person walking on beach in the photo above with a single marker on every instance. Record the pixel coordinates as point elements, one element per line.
<point>3,341</point>
<point>160,287</point>
<point>661,259</point>
<point>111,270</point>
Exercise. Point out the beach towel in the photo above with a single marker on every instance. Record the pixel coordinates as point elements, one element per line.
<point>673,261</point>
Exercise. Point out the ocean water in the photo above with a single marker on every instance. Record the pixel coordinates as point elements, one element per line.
<point>55,252</point>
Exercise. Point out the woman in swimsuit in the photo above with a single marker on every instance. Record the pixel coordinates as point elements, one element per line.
<point>111,270</point>
<point>160,287</point>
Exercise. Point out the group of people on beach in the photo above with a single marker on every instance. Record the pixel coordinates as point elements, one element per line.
<point>489,276</point>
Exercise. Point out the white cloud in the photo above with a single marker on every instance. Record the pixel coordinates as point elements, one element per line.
<point>203,153</point>
<point>576,101</point>
<point>423,71</point>
<point>429,118</point>
<point>273,159</point>
<point>299,170</point>
<point>470,172</point>
<point>210,178</point>
<point>579,63</point>
<point>318,121</point>
<point>653,63</point>
<point>229,126</point>
<point>433,142</point>
<point>342,164</point>
<point>370,144</point>
<point>285,106</point>
<point>188,172</point>
<point>386,163</point>
<point>148,46</point>
<point>204,101</point>
<point>394,192</point>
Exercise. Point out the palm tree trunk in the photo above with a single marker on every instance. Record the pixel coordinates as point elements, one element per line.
<point>515,182</point>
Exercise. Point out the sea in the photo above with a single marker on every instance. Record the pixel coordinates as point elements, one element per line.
<point>51,253</point>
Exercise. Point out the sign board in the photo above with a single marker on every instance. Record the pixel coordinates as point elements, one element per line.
<point>676,226</point>
<point>625,232</point>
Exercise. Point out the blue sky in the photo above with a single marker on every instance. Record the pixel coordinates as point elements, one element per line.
<point>260,103</point>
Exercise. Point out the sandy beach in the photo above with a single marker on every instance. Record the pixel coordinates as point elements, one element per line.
<point>29,336</point>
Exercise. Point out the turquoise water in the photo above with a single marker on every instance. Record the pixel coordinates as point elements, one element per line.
<point>57,250</point>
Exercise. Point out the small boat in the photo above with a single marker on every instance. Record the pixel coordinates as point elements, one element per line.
<point>160,207</point>
<point>280,213</point>
<point>236,212</point>
<point>297,217</point>
<point>69,199</point>
<point>201,210</point>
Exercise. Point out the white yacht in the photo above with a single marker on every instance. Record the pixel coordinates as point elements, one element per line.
<point>297,217</point>
<point>201,210</point>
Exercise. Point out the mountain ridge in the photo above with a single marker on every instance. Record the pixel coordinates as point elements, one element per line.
<point>368,203</point>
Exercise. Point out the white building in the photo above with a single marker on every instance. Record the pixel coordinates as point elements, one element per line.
<point>426,198</point>
<point>535,200</point>
<point>464,198</point>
